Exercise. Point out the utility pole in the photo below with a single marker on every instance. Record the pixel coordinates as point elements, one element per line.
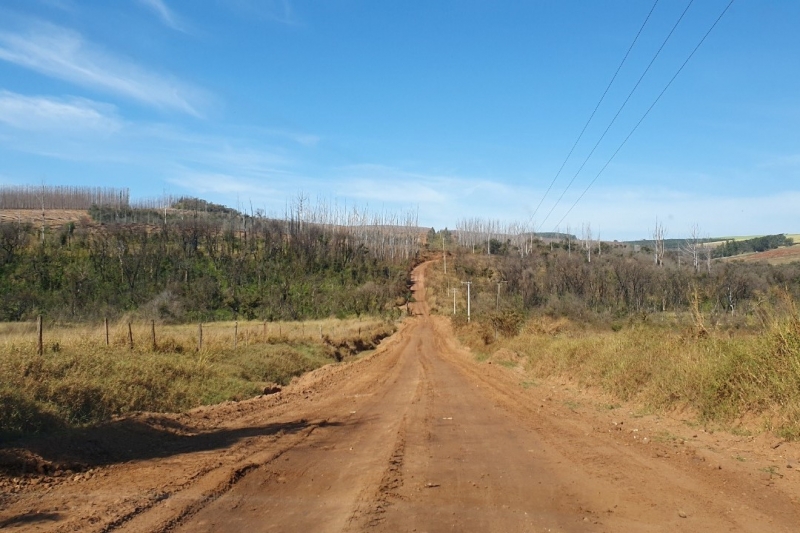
<point>454,299</point>
<point>498,294</point>
<point>468,284</point>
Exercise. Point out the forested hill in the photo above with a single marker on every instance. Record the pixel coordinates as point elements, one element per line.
<point>728,247</point>
<point>199,261</point>
<point>757,244</point>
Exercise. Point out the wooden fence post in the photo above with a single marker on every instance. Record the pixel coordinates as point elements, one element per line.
<point>105,321</point>
<point>130,335</point>
<point>200,336</point>
<point>39,343</point>
<point>153,333</point>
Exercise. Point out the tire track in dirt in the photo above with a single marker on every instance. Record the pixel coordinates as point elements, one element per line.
<point>636,490</point>
<point>329,479</point>
<point>204,490</point>
<point>126,496</point>
<point>369,513</point>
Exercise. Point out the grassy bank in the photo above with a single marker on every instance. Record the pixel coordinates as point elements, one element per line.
<point>81,380</point>
<point>745,380</point>
<point>739,370</point>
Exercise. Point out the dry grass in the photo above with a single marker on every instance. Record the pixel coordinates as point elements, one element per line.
<point>722,378</point>
<point>79,380</point>
<point>745,369</point>
<point>54,218</point>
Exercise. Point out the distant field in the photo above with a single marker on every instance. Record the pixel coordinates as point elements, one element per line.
<point>53,218</point>
<point>778,256</point>
<point>721,240</point>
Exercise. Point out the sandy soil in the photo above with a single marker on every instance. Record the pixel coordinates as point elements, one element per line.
<point>417,436</point>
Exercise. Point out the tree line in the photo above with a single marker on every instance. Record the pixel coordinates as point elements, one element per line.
<point>61,197</point>
<point>758,244</point>
<point>207,264</point>
<point>588,278</point>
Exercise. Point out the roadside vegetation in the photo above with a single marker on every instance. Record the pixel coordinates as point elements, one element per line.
<point>311,287</point>
<point>79,380</point>
<point>199,261</point>
<point>720,341</point>
<point>198,270</point>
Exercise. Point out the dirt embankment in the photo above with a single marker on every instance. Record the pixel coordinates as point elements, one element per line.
<point>416,436</point>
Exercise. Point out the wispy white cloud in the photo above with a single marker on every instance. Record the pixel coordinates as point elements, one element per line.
<point>64,5</point>
<point>305,139</point>
<point>386,183</point>
<point>631,213</point>
<point>392,192</point>
<point>167,16</point>
<point>243,153</point>
<point>276,10</point>
<point>49,127</point>
<point>217,183</point>
<point>64,54</point>
<point>38,113</point>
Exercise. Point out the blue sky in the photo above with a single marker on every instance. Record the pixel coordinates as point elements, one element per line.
<point>456,108</point>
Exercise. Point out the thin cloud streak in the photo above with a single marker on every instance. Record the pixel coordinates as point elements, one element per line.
<point>38,113</point>
<point>630,214</point>
<point>280,11</point>
<point>212,182</point>
<point>61,53</point>
<point>386,183</point>
<point>380,191</point>
<point>166,15</point>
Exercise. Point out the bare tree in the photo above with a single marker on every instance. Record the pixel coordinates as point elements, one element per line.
<point>658,238</point>
<point>569,240</point>
<point>599,245</point>
<point>692,247</point>
<point>586,236</point>
<point>708,251</point>
<point>61,197</point>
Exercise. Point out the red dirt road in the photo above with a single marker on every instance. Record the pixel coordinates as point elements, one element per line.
<point>414,437</point>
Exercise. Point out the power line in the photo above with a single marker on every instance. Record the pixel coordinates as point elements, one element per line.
<point>630,94</point>
<point>648,111</point>
<point>614,77</point>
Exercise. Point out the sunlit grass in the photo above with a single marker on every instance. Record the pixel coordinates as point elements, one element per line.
<point>81,380</point>
<point>720,377</point>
